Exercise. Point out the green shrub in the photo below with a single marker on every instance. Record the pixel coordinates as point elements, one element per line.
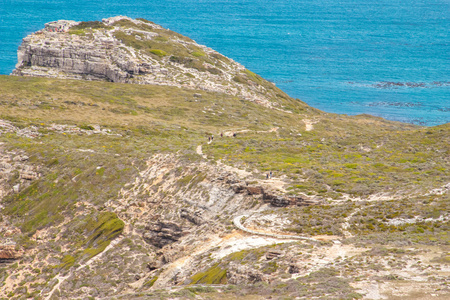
<point>198,53</point>
<point>80,32</point>
<point>158,52</point>
<point>214,275</point>
<point>89,24</point>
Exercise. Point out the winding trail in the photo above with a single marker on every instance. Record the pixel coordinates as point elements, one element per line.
<point>230,133</point>
<point>200,152</point>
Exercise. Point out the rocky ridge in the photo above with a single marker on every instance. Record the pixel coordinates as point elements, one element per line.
<point>121,49</point>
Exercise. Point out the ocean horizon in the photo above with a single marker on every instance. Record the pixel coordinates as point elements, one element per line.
<point>385,58</point>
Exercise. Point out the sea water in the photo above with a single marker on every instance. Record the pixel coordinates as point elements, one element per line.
<point>388,58</point>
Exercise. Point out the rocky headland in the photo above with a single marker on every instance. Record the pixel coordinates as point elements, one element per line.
<point>125,50</point>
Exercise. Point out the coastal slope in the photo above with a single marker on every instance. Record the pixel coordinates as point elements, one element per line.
<point>170,190</point>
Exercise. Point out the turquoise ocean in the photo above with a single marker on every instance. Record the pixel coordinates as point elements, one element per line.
<point>388,58</point>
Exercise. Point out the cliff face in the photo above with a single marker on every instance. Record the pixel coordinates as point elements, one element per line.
<point>121,49</point>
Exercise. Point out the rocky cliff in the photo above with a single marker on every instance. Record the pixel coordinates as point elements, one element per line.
<point>121,49</point>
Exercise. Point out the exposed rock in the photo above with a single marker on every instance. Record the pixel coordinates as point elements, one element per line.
<point>271,254</point>
<point>171,253</point>
<point>194,217</point>
<point>301,201</point>
<point>155,264</point>
<point>243,274</point>
<point>268,197</point>
<point>239,188</point>
<point>293,269</point>
<point>8,252</point>
<point>20,158</point>
<point>29,175</point>
<point>163,233</point>
<point>255,190</point>
<point>279,201</point>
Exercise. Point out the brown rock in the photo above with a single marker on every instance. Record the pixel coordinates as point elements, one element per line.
<point>163,233</point>
<point>293,269</point>
<point>268,197</point>
<point>255,190</point>
<point>238,188</point>
<point>271,254</point>
<point>279,201</point>
<point>8,252</point>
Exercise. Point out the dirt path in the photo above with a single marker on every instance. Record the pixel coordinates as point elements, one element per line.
<point>200,152</point>
<point>346,224</point>
<point>309,124</point>
<point>230,133</point>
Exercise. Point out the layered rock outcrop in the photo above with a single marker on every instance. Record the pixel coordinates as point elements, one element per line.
<point>163,233</point>
<point>125,50</point>
<point>9,252</point>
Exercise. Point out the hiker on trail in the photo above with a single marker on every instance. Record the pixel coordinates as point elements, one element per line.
<point>221,134</point>
<point>234,134</point>
<point>270,174</point>
<point>209,139</point>
<point>212,137</point>
<point>267,176</point>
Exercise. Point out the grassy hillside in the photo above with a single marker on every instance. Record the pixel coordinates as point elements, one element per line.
<point>93,138</point>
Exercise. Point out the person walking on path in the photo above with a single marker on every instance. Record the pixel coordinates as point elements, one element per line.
<point>270,174</point>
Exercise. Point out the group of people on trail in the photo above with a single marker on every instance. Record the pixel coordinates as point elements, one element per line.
<point>269,175</point>
<point>211,137</point>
